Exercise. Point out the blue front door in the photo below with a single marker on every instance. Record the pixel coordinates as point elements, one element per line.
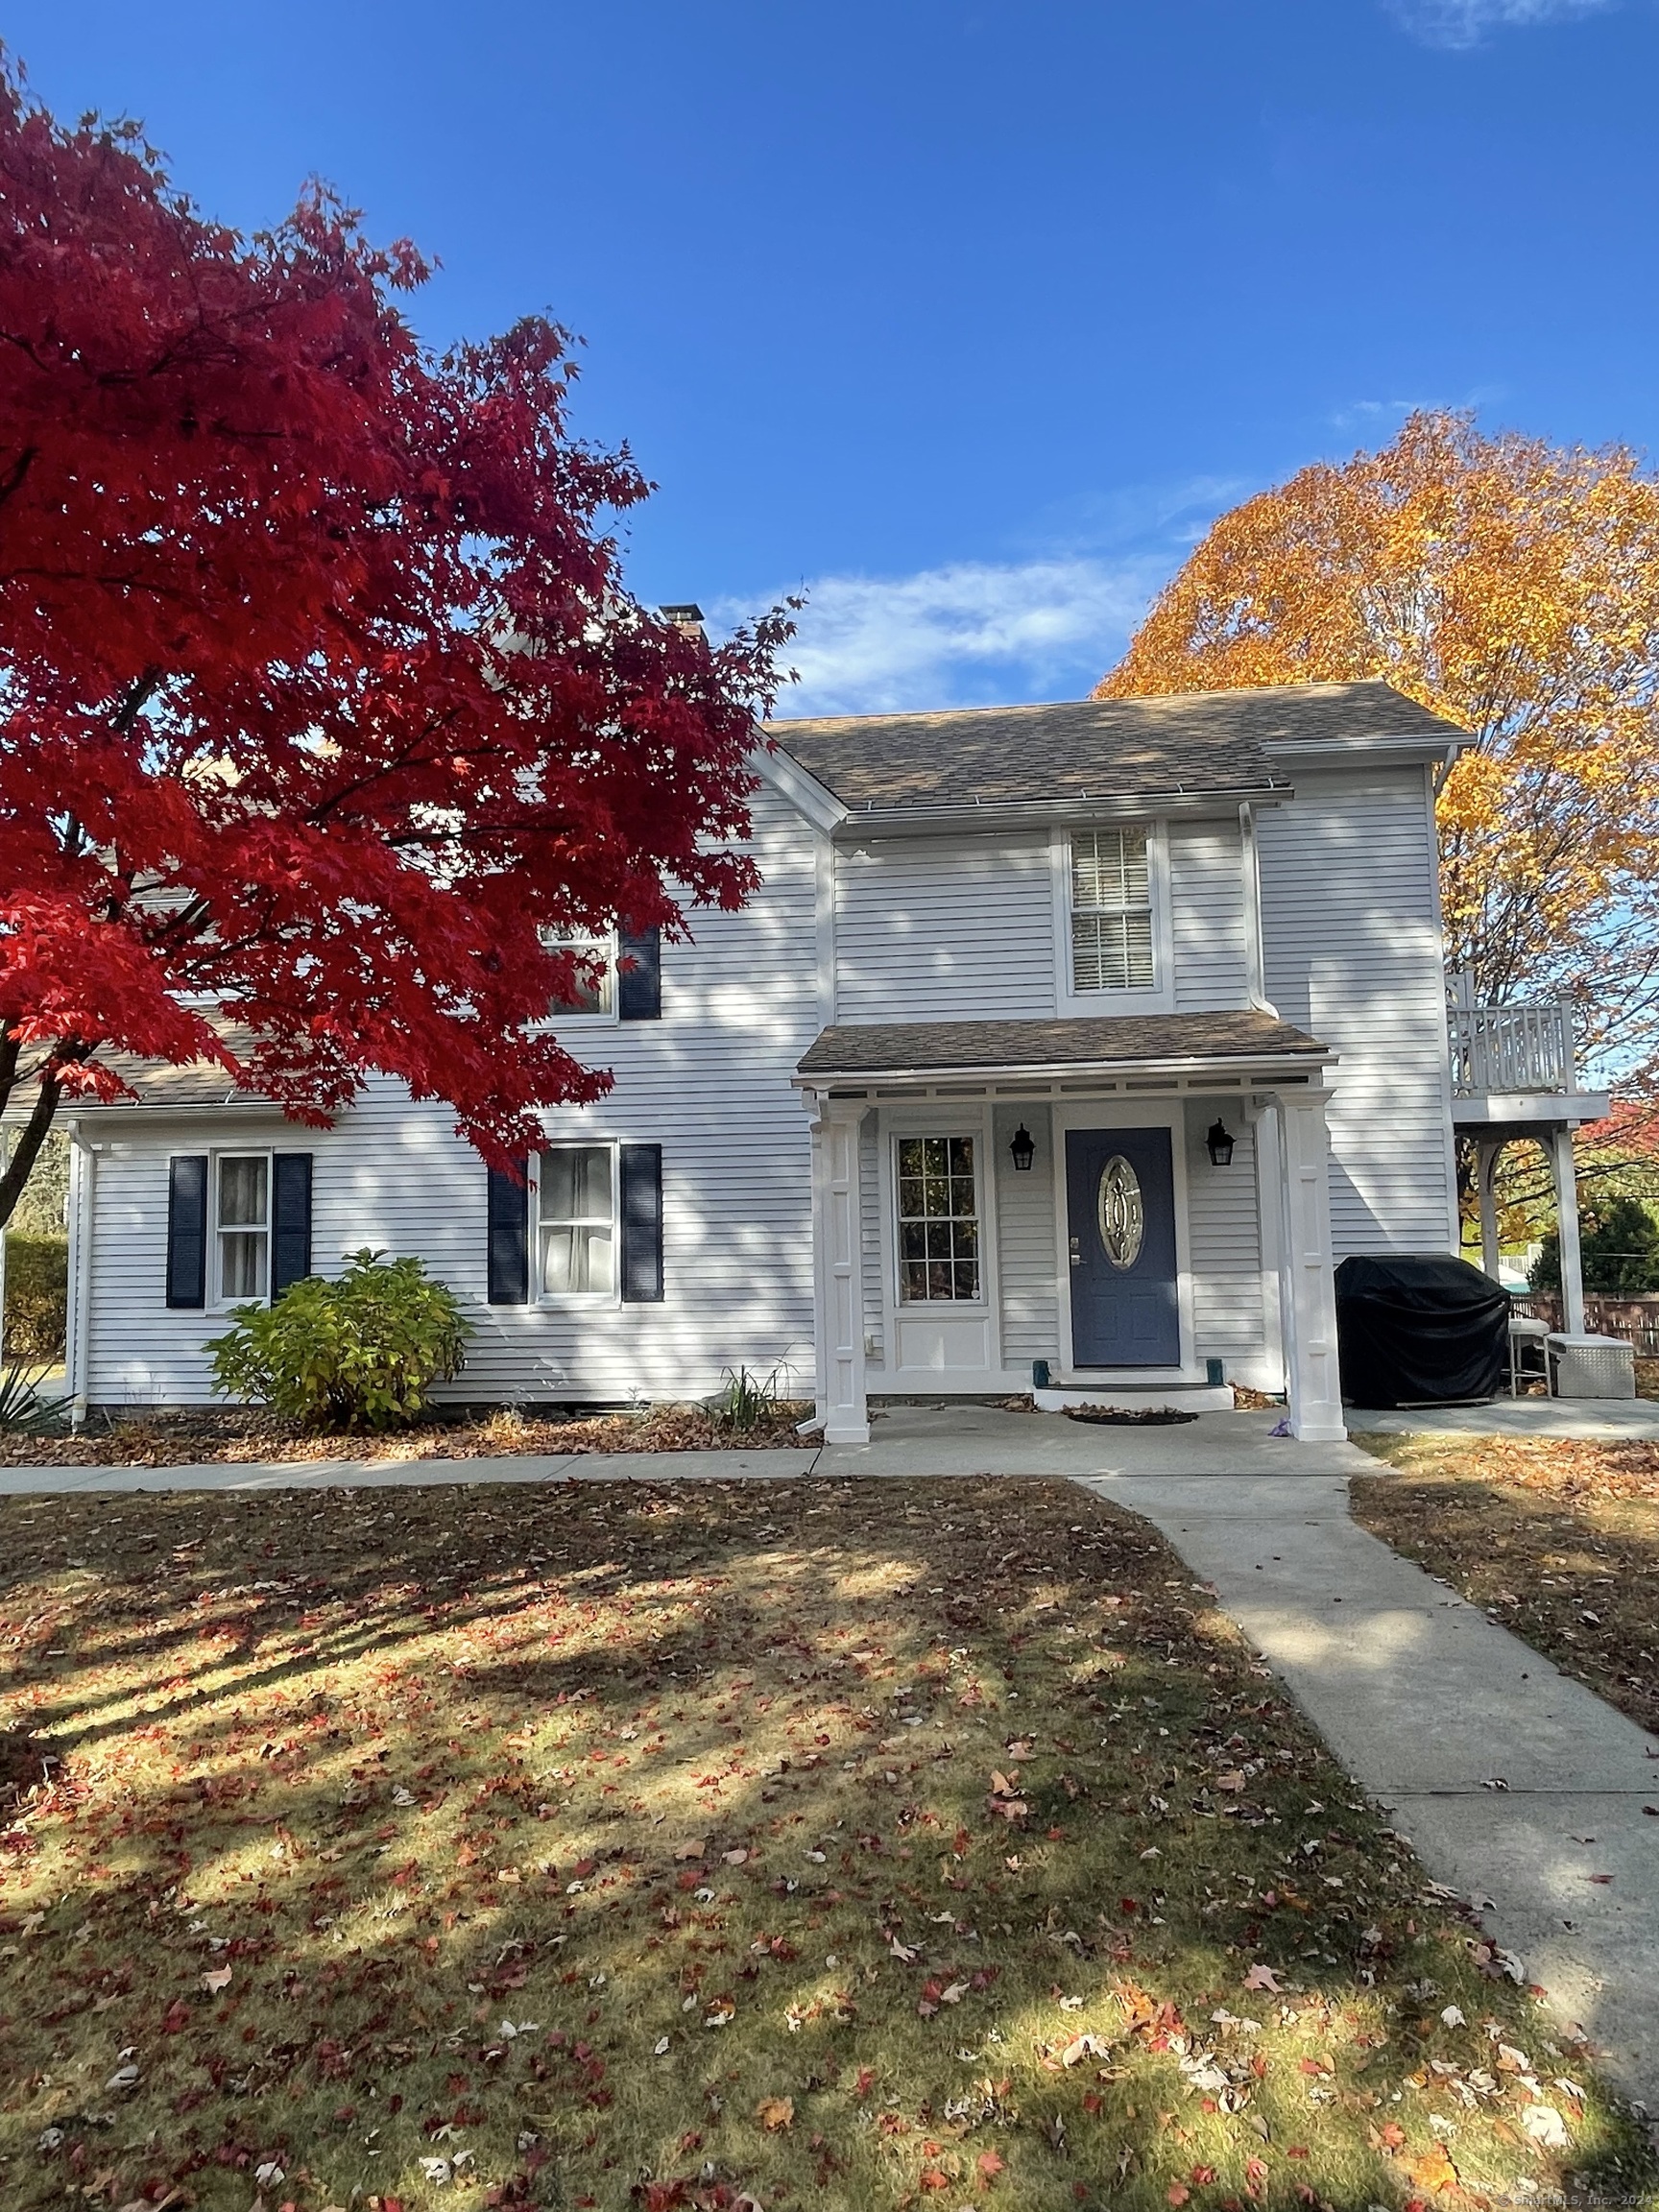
<point>1121,1221</point>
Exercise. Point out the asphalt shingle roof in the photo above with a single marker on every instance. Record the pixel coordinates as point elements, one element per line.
<point>1190,742</point>
<point>899,1047</point>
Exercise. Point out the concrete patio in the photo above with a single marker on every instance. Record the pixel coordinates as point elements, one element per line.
<point>1599,1420</point>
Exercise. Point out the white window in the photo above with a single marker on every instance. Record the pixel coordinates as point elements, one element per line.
<point>1110,911</point>
<point>576,1222</point>
<point>938,1221</point>
<point>594,991</point>
<point>242,1225</point>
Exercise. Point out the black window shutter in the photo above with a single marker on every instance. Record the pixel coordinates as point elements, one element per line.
<point>187,1230</point>
<point>639,988</point>
<point>290,1219</point>
<point>509,1239</point>
<point>641,1223</point>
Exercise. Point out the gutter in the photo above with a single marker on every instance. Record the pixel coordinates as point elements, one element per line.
<point>1266,1067</point>
<point>83,1199</point>
<point>933,816</point>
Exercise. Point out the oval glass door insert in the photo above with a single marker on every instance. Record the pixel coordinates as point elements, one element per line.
<point>1122,1215</point>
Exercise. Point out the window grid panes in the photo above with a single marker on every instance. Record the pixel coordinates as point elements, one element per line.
<point>1110,911</point>
<point>244,1226</point>
<point>938,1219</point>
<point>576,1217</point>
<point>596,987</point>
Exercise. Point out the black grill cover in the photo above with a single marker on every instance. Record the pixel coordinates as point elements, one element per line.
<point>1419,1328</point>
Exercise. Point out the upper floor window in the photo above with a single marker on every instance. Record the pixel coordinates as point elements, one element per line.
<point>1110,911</point>
<point>594,988</point>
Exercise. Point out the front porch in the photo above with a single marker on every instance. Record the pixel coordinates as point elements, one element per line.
<point>1128,1210</point>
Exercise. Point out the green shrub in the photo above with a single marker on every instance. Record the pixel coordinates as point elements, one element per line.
<point>1618,1246</point>
<point>359,1352</point>
<point>37,1297</point>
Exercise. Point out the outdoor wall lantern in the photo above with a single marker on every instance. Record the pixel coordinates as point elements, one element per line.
<point>1024,1147</point>
<point>1220,1144</point>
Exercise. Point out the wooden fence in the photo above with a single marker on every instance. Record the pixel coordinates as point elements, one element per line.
<point>1634,1318</point>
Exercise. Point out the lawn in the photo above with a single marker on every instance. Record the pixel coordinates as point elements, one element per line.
<point>799,1843</point>
<point>1558,1540</point>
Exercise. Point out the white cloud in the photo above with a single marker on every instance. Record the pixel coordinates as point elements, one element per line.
<point>1463,23</point>
<point>975,632</point>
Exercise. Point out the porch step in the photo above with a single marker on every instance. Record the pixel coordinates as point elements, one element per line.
<point>1180,1397</point>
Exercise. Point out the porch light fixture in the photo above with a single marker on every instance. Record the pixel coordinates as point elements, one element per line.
<point>1024,1147</point>
<point>1220,1144</point>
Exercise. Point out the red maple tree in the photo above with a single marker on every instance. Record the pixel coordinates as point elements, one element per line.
<point>321,698</point>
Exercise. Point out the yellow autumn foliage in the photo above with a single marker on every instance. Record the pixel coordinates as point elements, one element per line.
<point>1514,587</point>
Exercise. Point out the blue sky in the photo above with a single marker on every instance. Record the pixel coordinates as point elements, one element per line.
<point>966,314</point>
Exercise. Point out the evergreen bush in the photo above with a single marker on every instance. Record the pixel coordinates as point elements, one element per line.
<point>36,1298</point>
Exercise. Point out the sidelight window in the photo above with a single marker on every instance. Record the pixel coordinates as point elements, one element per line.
<point>938,1219</point>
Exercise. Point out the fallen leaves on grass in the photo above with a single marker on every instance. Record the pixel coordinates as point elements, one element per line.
<point>238,1437</point>
<point>703,1846</point>
<point>1557,1539</point>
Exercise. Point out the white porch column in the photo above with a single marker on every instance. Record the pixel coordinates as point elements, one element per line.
<point>1562,1168</point>
<point>1263,1120</point>
<point>839,1252</point>
<point>1486,1154</point>
<point>1307,1304</point>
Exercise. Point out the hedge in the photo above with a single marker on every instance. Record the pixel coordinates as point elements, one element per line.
<point>37,1297</point>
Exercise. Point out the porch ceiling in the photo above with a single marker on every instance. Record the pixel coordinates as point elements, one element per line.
<point>1242,1037</point>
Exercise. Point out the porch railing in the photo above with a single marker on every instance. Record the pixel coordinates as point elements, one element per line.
<point>1508,1048</point>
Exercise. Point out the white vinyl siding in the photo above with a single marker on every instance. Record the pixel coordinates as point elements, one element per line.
<point>1224,1245</point>
<point>709,1083</point>
<point>939,930</point>
<point>870,1241</point>
<point>1207,917</point>
<point>1027,1263</point>
<point>1352,946</point>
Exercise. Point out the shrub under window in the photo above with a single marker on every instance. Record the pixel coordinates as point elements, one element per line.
<point>360,1353</point>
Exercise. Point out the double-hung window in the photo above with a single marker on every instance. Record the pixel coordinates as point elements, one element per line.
<point>938,1219</point>
<point>593,989</point>
<point>576,1221</point>
<point>242,1224</point>
<point>1110,911</point>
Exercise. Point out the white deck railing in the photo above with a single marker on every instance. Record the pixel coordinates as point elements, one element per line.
<point>1509,1048</point>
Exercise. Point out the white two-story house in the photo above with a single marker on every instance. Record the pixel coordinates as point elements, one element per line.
<point>1073,1044</point>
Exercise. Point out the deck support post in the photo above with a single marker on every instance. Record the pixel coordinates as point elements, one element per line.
<point>1487,1152</point>
<point>838,1266</point>
<point>1307,1272</point>
<point>1566,1179</point>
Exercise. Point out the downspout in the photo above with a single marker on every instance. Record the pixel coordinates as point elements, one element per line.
<point>1250,874</point>
<point>83,1194</point>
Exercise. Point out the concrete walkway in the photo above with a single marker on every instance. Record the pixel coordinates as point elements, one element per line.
<point>908,1440</point>
<point>1516,1784</point>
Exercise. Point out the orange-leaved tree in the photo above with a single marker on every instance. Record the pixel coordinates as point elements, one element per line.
<point>1512,586</point>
